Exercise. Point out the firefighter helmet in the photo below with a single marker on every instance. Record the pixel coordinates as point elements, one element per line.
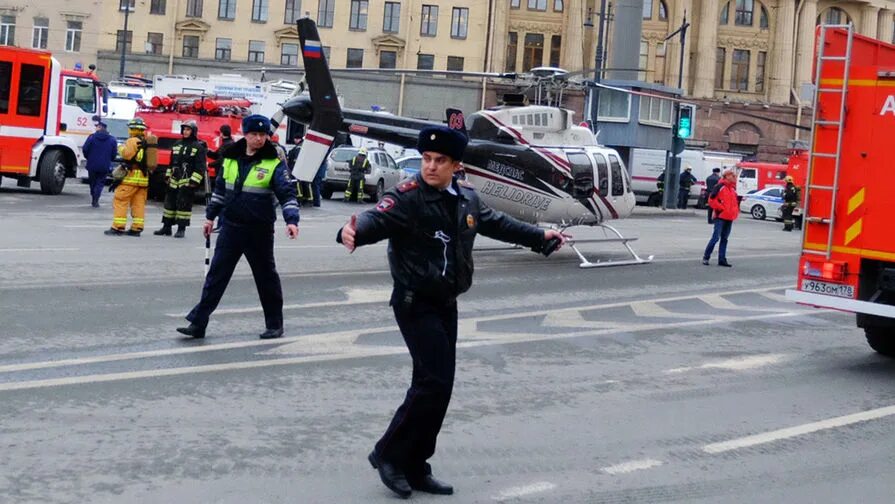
<point>362,151</point>
<point>191,124</point>
<point>136,124</point>
<point>789,179</point>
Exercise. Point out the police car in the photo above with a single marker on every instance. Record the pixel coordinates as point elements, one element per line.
<point>764,203</point>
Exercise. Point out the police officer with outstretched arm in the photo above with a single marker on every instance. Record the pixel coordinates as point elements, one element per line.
<point>431,222</point>
<point>252,176</point>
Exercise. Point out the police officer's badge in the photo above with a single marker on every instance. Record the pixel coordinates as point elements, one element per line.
<point>385,204</point>
<point>261,173</point>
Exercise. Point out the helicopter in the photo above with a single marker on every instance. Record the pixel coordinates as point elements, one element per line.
<point>529,161</point>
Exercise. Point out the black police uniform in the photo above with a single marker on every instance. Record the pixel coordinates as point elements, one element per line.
<point>247,216</point>
<point>685,181</point>
<point>710,182</point>
<point>790,202</point>
<point>431,234</point>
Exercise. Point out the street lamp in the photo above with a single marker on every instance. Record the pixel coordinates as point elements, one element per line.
<point>673,170</point>
<point>123,41</point>
<point>598,67</point>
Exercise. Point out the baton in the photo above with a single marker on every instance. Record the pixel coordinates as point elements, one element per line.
<point>207,238</point>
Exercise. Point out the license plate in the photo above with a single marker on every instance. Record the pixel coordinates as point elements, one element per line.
<point>828,289</point>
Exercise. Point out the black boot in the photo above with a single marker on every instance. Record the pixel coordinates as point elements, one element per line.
<point>193,331</point>
<point>181,229</point>
<point>391,476</point>
<point>272,334</point>
<point>131,232</point>
<point>113,232</point>
<point>164,231</point>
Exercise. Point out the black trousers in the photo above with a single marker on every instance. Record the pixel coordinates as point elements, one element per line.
<point>430,332</point>
<point>178,206</point>
<point>787,210</point>
<point>97,182</point>
<point>256,243</point>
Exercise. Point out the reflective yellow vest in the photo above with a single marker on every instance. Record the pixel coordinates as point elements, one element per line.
<point>256,181</point>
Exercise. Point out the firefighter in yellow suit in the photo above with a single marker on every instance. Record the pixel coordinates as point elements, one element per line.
<point>131,190</point>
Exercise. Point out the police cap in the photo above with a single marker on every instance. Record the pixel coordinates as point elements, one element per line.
<point>443,140</point>
<point>256,123</point>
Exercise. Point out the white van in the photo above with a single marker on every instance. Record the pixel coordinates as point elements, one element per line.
<point>648,164</point>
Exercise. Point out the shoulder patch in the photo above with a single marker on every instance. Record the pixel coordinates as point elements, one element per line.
<point>408,185</point>
<point>385,204</point>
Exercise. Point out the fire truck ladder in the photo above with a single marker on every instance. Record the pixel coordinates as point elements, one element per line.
<point>842,91</point>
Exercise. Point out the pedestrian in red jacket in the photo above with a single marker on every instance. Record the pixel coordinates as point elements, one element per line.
<point>723,201</point>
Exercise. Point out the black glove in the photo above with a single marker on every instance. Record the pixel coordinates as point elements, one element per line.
<point>113,185</point>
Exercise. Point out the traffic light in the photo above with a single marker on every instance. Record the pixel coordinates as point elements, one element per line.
<point>686,120</point>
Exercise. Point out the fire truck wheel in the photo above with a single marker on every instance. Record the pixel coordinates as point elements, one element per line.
<point>758,212</point>
<point>881,340</point>
<point>52,172</point>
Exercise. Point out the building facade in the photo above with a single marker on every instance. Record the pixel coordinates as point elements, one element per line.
<point>68,29</point>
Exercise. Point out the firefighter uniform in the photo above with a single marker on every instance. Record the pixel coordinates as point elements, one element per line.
<point>132,190</point>
<point>357,170</point>
<point>790,202</point>
<point>185,173</point>
<point>431,234</point>
<point>243,198</point>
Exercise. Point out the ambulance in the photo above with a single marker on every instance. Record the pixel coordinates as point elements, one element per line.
<point>46,114</point>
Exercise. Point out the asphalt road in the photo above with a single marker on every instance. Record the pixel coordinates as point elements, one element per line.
<point>666,382</point>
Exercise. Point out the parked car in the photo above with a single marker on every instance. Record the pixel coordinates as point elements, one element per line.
<point>409,165</point>
<point>764,203</point>
<point>383,172</point>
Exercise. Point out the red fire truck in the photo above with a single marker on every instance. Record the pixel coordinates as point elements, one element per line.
<point>45,117</point>
<point>848,247</point>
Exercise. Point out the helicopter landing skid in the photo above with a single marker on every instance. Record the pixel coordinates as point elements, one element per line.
<point>587,264</point>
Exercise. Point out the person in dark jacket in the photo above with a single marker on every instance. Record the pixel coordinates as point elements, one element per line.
<point>686,181</point>
<point>357,171</point>
<point>431,222</point>
<point>305,191</point>
<point>185,173</point>
<point>710,182</point>
<point>252,175</point>
<point>100,150</point>
<point>723,200</point>
<point>791,196</point>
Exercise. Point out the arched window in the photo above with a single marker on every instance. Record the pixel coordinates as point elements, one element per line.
<point>648,9</point>
<point>764,23</point>
<point>725,13</point>
<point>834,16</point>
<point>663,11</point>
<point>744,11</point>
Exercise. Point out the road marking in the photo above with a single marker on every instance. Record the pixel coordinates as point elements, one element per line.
<point>718,302</point>
<point>740,364</point>
<point>773,296</point>
<point>634,465</point>
<point>522,491</point>
<point>355,296</point>
<point>799,430</point>
<point>651,309</point>
<point>86,226</point>
<point>328,347</point>
<point>41,249</point>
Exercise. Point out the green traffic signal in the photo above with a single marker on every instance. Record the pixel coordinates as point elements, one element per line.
<point>685,122</point>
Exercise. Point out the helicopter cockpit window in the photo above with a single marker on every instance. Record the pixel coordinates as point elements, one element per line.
<point>602,175</point>
<point>582,175</point>
<point>618,187</point>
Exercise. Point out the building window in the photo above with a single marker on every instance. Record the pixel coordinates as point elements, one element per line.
<point>720,63</point>
<point>358,19</point>
<point>555,50</point>
<point>127,5</point>
<point>514,4</point>
<point>73,36</point>
<point>539,5</point>
<point>763,20</point>
<point>193,8</point>
<point>293,11</point>
<point>355,58</point>
<point>326,11</point>
<point>7,30</point>
<point>289,54</point>
<point>429,21</point>
<point>659,65</point>
<point>647,9</point>
<point>190,46</point>
<point>725,13</point>
<point>157,7</point>
<point>739,70</point>
<point>643,62</point>
<point>227,9</point>
<point>39,33</point>
<point>425,61</point>
<point>388,59</point>
<point>663,11</point>
<point>455,63</point>
<point>557,5</point>
<point>834,16</point>
<point>615,106</point>
<point>154,43</point>
<point>223,48</point>
<point>743,16</point>
<point>760,71</point>
<point>459,22</point>
<point>655,110</point>
<point>326,52</point>
<point>259,11</point>
<point>533,51</point>
<point>512,46</point>
<point>256,51</point>
<point>391,20</point>
<point>124,39</point>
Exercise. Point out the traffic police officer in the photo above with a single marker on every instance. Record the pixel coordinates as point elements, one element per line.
<point>431,222</point>
<point>243,197</point>
<point>183,175</point>
<point>790,202</point>
<point>686,180</point>
<point>710,182</point>
<point>357,170</point>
